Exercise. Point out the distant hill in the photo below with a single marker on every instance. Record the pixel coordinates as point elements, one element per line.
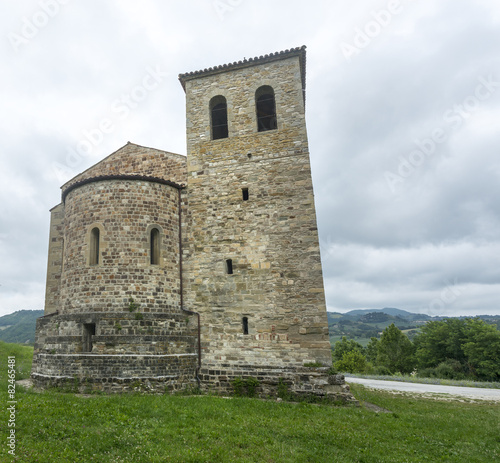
<point>361,325</point>
<point>19,327</point>
<point>393,312</point>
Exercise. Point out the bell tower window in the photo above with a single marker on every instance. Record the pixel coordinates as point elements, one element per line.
<point>266,109</point>
<point>218,116</point>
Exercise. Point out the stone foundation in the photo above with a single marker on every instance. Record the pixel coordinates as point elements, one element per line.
<point>115,373</point>
<point>299,382</point>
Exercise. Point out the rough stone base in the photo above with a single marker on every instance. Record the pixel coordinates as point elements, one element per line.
<point>115,373</point>
<point>156,385</point>
<point>299,382</point>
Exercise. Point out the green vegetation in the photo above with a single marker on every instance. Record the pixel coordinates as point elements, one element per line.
<point>245,387</point>
<point>361,325</point>
<point>19,327</point>
<point>53,426</point>
<point>452,349</point>
<point>459,349</point>
<point>395,350</point>
<point>24,357</point>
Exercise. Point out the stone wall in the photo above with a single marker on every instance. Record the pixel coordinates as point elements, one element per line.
<point>116,373</point>
<point>134,159</point>
<point>274,381</point>
<point>271,238</point>
<point>117,333</point>
<point>55,258</point>
<point>158,350</point>
<point>125,211</point>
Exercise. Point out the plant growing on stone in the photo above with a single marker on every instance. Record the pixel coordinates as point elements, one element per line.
<point>132,306</point>
<point>283,392</point>
<point>245,387</point>
<point>313,364</point>
<point>238,386</point>
<point>252,384</point>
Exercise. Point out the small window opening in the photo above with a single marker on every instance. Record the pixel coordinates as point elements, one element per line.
<point>229,266</point>
<point>244,192</point>
<point>218,113</point>
<point>88,332</point>
<point>266,109</point>
<point>155,246</point>
<point>94,246</point>
<point>245,325</point>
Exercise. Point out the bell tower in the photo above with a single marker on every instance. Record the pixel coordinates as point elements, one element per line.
<point>251,249</point>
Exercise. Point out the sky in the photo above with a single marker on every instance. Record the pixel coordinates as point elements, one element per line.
<point>403,118</point>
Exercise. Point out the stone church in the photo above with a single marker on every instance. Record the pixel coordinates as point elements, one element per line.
<point>167,271</point>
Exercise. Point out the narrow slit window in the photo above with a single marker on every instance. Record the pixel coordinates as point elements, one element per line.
<point>229,266</point>
<point>218,114</point>
<point>155,246</point>
<point>88,332</point>
<point>266,109</point>
<point>244,192</point>
<point>245,325</point>
<point>94,246</point>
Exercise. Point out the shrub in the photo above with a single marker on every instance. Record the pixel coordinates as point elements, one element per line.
<point>352,362</point>
<point>245,387</point>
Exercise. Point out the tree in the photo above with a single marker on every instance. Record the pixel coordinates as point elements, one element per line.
<point>395,350</point>
<point>344,346</point>
<point>371,350</point>
<point>482,348</point>
<point>440,341</point>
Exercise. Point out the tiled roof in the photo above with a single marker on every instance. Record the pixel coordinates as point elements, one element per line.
<point>299,51</point>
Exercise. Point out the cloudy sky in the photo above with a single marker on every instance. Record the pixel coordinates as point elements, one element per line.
<point>403,112</point>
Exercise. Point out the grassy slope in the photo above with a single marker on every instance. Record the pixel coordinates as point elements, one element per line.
<point>19,326</point>
<point>67,428</point>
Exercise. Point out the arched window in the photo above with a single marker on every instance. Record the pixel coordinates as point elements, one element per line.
<point>155,246</point>
<point>94,246</point>
<point>266,109</point>
<point>218,116</point>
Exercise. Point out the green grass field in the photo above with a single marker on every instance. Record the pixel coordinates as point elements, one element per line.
<point>63,427</point>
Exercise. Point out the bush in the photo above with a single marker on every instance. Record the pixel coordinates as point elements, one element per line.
<point>245,387</point>
<point>382,370</point>
<point>352,362</point>
<point>451,369</point>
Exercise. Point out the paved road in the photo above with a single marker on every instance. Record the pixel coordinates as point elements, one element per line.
<point>429,389</point>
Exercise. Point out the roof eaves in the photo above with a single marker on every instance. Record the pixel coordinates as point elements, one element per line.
<point>298,51</point>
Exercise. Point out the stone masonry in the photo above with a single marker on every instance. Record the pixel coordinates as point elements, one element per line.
<point>172,271</point>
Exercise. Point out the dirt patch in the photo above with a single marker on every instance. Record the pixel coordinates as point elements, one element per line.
<point>27,383</point>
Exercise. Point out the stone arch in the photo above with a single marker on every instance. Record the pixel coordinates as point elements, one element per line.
<point>265,109</point>
<point>155,236</point>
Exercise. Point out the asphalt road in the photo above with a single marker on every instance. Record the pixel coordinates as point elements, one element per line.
<point>476,393</point>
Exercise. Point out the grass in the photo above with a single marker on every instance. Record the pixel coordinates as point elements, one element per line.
<point>53,426</point>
